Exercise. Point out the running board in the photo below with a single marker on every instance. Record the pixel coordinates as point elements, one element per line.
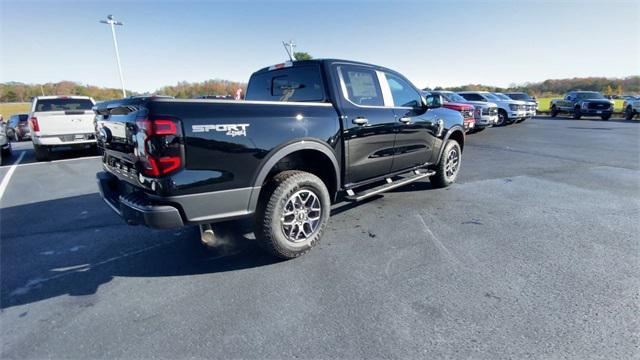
<point>390,185</point>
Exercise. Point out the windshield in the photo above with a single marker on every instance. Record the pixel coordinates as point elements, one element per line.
<point>453,97</point>
<point>589,95</point>
<point>63,104</point>
<point>501,96</point>
<point>520,96</point>
<point>490,96</point>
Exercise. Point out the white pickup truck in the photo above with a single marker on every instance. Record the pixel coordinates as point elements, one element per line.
<point>58,122</point>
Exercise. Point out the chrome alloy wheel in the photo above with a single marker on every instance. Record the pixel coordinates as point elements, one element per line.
<point>452,163</point>
<point>301,216</point>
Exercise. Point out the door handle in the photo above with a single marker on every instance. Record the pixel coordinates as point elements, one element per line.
<point>360,121</point>
<point>405,119</point>
<point>440,125</point>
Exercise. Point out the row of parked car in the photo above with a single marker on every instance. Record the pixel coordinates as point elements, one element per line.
<point>68,120</point>
<point>491,108</point>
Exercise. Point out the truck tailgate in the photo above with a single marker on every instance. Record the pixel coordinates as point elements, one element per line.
<point>65,122</point>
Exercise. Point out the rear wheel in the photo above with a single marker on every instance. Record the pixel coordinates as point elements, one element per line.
<point>628,113</point>
<point>42,152</point>
<point>7,152</point>
<point>449,165</point>
<point>606,117</point>
<point>292,214</point>
<point>576,113</point>
<point>554,111</point>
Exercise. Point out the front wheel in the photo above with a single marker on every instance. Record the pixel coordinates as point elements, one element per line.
<point>502,117</point>
<point>292,214</point>
<point>576,113</point>
<point>449,165</point>
<point>606,117</point>
<point>554,111</point>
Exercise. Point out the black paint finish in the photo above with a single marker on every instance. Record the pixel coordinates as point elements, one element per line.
<point>221,159</point>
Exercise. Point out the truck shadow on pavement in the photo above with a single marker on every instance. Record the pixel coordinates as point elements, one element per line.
<point>72,246</point>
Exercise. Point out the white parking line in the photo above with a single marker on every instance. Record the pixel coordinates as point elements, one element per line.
<point>54,161</point>
<point>7,177</point>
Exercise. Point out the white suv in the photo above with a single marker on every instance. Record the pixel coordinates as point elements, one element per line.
<point>61,122</point>
<point>509,111</point>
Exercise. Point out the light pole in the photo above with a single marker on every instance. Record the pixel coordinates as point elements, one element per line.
<point>111,21</point>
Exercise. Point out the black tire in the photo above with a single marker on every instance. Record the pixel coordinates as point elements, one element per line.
<point>7,152</point>
<point>443,177</point>
<point>628,113</point>
<point>503,118</point>
<point>606,117</point>
<point>279,196</point>
<point>42,152</point>
<point>554,111</point>
<point>576,113</point>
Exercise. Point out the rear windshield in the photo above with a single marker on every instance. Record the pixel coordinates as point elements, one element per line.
<point>23,117</point>
<point>63,104</point>
<point>300,83</point>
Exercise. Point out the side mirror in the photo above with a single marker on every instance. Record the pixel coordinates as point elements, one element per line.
<point>433,101</point>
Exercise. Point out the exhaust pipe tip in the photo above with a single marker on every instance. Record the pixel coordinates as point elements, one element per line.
<point>207,236</point>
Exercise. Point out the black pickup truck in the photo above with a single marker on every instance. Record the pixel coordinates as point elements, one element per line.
<point>309,133</point>
<point>582,103</point>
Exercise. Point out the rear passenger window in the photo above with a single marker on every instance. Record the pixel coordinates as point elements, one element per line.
<point>362,86</point>
<point>299,83</point>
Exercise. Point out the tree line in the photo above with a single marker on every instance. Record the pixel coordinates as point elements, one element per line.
<point>19,92</point>
<point>553,87</point>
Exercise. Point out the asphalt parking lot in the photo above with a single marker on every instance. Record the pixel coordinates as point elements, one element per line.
<point>533,254</point>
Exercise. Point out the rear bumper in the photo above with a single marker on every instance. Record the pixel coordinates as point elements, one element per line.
<point>134,208</point>
<point>139,208</point>
<point>64,140</point>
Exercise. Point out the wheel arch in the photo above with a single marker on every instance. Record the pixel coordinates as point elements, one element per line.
<point>306,155</point>
<point>456,133</point>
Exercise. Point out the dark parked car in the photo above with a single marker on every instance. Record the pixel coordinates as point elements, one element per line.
<point>583,103</point>
<point>309,133</point>
<point>18,127</point>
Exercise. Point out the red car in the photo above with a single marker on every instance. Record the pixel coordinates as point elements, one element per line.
<point>465,109</point>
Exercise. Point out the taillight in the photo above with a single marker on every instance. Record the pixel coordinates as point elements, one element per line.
<point>160,146</point>
<point>34,123</point>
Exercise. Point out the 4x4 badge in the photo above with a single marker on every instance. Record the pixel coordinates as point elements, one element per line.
<point>229,129</point>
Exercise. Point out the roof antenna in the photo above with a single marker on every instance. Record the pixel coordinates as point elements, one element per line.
<point>289,48</point>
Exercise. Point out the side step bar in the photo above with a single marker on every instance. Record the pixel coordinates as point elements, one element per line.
<point>417,175</point>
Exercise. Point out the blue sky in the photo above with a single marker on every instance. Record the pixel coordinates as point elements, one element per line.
<point>431,42</point>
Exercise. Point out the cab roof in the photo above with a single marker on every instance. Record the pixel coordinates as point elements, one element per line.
<point>296,63</point>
